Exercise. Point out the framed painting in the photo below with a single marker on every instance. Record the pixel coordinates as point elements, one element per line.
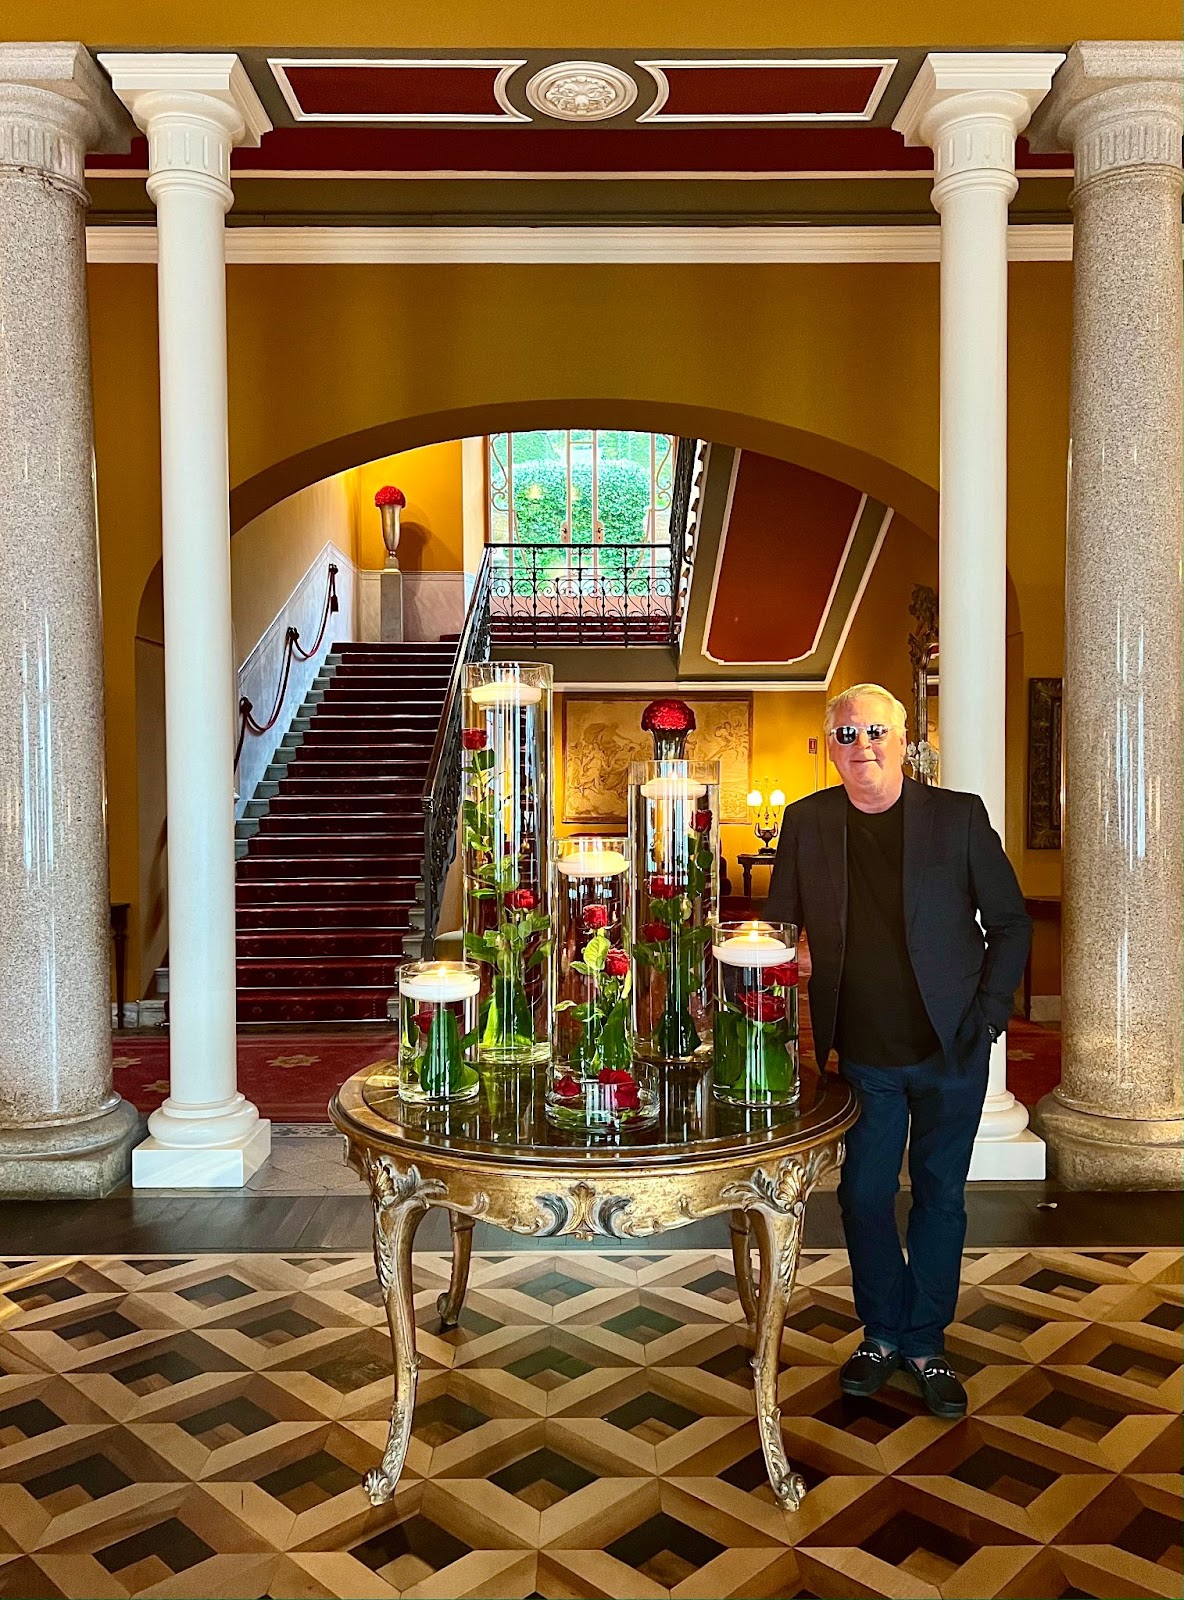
<point>602,735</point>
<point>1044,763</point>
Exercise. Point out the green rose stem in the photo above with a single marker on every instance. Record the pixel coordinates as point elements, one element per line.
<point>442,1071</point>
<point>677,1034</point>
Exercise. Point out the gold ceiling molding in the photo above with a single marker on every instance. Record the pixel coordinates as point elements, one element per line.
<point>561,245</point>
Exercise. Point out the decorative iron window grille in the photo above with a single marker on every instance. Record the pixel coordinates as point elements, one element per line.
<point>564,487</point>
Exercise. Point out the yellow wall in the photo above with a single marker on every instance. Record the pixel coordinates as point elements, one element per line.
<point>793,360</point>
<point>432,523</point>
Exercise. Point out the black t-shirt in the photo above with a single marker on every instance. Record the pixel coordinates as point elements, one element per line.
<point>882,1021</point>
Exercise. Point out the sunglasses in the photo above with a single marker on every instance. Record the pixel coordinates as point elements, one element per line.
<point>850,731</point>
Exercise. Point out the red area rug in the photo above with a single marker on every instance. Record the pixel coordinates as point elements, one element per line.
<point>291,1076</point>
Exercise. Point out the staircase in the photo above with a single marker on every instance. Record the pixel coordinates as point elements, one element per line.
<point>330,871</point>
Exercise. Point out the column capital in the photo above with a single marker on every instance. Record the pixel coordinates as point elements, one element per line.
<point>969,108</point>
<point>1119,105</point>
<point>55,105</point>
<point>194,110</point>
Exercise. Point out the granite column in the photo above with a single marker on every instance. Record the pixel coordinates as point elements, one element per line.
<point>1115,1120</point>
<point>63,1130</point>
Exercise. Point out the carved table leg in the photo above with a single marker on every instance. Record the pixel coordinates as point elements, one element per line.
<point>778,1235</point>
<point>400,1200</point>
<point>451,1304</point>
<point>742,1262</point>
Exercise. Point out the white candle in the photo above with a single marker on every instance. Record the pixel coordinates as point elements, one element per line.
<point>753,949</point>
<point>593,864</point>
<point>673,788</point>
<point>447,980</point>
<point>506,692</point>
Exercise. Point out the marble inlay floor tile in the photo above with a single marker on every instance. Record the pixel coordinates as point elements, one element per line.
<point>198,1427</point>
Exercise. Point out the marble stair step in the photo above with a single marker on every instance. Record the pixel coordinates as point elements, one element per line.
<point>368,865</point>
<point>318,972</point>
<point>308,944</point>
<point>381,846</point>
<point>315,891</point>
<point>406,823</point>
<point>279,918</point>
<point>356,1004</point>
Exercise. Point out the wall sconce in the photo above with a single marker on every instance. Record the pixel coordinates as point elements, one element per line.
<point>768,816</point>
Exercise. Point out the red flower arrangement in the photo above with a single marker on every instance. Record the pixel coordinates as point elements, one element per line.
<point>616,963</point>
<point>520,900</point>
<point>423,1018</point>
<point>595,917</point>
<point>786,974</point>
<point>668,716</point>
<point>662,888</point>
<point>567,1087</point>
<point>388,495</point>
<point>655,933</point>
<point>473,738</point>
<point>701,821</point>
<point>622,1089</point>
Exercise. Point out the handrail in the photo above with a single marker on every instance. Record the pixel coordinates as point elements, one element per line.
<point>293,651</point>
<point>441,790</point>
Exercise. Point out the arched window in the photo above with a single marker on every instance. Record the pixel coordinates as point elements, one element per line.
<point>580,486</point>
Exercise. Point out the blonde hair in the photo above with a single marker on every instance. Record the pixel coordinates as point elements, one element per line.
<point>897,718</point>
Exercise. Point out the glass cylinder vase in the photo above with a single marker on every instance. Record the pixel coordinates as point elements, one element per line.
<point>755,1047</point>
<point>506,844</point>
<point>592,1082</point>
<point>438,1003</point>
<point>674,848</point>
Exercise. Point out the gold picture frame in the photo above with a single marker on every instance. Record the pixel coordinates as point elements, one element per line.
<point>602,734</point>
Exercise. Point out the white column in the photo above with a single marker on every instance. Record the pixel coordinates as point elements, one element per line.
<point>970,108</point>
<point>195,109</point>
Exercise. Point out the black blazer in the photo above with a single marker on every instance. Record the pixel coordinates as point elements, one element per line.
<point>954,866</point>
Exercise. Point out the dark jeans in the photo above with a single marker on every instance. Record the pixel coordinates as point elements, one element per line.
<point>908,1304</point>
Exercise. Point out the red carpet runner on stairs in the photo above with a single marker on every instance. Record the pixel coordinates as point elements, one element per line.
<point>326,889</point>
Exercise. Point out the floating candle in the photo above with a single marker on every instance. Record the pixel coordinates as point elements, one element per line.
<point>673,788</point>
<point>592,864</point>
<point>444,981</point>
<point>505,692</point>
<point>753,949</point>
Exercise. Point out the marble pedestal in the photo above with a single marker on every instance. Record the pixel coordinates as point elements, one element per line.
<point>391,624</point>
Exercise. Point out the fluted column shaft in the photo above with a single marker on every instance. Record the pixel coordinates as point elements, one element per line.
<point>194,109</point>
<point>56,1096</point>
<point>1115,1120</point>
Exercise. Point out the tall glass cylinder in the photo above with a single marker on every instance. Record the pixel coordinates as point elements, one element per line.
<point>506,848</point>
<point>756,1017</point>
<point>674,846</point>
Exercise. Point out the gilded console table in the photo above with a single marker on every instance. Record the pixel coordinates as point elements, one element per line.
<point>498,1161</point>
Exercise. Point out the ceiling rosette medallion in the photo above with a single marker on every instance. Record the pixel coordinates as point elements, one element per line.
<point>581,91</point>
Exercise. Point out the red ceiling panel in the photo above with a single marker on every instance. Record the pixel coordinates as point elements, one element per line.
<point>347,90</point>
<point>768,91</point>
<point>785,540</point>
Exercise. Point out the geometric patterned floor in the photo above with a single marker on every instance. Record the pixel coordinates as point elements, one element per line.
<point>198,1427</point>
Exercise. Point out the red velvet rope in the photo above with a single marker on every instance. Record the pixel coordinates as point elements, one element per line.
<point>292,650</point>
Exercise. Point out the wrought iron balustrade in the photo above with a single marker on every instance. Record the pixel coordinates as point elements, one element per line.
<point>598,594</point>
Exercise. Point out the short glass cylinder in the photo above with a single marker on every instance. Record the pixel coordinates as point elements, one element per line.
<point>674,848</point>
<point>438,1003</point>
<point>593,1084</point>
<point>505,838</point>
<point>755,1041</point>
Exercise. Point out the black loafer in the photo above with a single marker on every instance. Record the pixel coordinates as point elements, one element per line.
<point>868,1370</point>
<point>940,1390</point>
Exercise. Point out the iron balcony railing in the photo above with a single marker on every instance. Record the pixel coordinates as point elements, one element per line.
<point>602,594</point>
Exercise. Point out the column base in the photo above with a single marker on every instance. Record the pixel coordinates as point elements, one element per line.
<point>1099,1152</point>
<point>227,1166</point>
<point>71,1161</point>
<point>1020,1157</point>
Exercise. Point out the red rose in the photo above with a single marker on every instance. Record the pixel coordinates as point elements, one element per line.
<point>616,963</point>
<point>520,900</point>
<point>473,738</point>
<point>655,932</point>
<point>622,1090</point>
<point>667,716</point>
<point>388,495</point>
<point>758,1007</point>
<point>423,1018</point>
<point>701,821</point>
<point>595,917</point>
<point>786,974</point>
<point>567,1087</point>
<point>662,888</point>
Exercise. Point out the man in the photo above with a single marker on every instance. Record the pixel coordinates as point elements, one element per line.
<point>887,876</point>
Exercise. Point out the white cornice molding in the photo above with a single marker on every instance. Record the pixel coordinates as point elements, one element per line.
<point>146,83</point>
<point>707,246</point>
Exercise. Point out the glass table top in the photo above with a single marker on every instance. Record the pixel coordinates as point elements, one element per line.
<point>508,1121</point>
